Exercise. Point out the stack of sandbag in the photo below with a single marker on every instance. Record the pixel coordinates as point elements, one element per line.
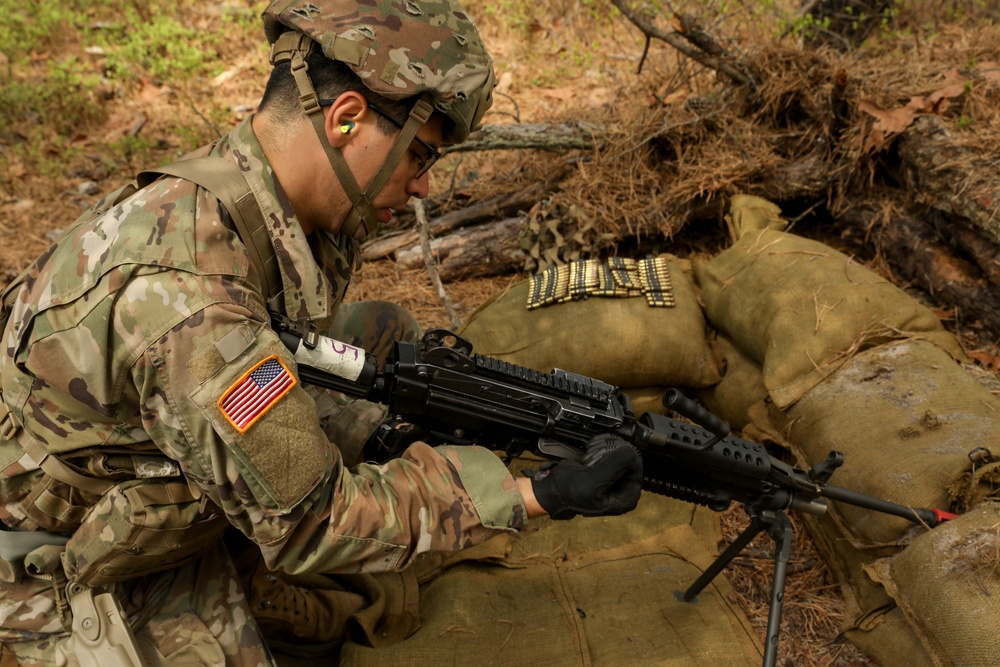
<point>799,308</point>
<point>846,361</point>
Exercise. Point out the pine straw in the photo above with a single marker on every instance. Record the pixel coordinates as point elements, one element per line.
<point>412,289</point>
<point>665,160</point>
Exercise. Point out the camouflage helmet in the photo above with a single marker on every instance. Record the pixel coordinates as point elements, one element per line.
<point>399,49</point>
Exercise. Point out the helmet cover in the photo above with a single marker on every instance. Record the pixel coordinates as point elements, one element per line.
<point>412,48</point>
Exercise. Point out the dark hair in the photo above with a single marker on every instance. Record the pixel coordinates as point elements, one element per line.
<point>330,78</point>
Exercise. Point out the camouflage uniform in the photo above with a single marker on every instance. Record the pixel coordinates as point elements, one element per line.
<point>123,346</point>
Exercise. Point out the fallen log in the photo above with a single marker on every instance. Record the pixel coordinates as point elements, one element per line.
<point>483,250</point>
<point>807,177</point>
<point>504,206</point>
<point>961,181</point>
<point>917,254</point>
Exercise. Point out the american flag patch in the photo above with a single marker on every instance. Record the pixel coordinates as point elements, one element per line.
<point>255,393</point>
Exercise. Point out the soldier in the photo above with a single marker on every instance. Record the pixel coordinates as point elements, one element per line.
<point>148,405</point>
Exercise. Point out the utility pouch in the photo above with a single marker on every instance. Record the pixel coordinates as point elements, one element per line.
<point>101,634</point>
<point>140,527</point>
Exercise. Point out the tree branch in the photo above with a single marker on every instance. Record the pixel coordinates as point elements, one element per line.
<point>542,136</point>
<point>693,46</point>
<point>425,244</point>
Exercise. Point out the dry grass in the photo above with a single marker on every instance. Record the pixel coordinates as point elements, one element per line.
<point>669,158</point>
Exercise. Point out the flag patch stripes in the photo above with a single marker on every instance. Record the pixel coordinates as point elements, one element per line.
<point>260,388</point>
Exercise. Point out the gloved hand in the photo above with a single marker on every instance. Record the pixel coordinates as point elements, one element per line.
<point>606,481</point>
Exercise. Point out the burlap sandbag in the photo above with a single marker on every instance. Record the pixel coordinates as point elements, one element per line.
<point>875,624</point>
<point>875,398</point>
<point>741,386</point>
<point>583,592</point>
<point>873,621</point>
<point>622,341</point>
<point>947,582</point>
<point>646,399</point>
<point>906,416</point>
<point>800,308</point>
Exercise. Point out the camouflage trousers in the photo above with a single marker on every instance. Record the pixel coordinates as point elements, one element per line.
<point>192,615</point>
<point>203,613</point>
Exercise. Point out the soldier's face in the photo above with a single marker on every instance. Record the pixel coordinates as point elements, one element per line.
<point>406,180</point>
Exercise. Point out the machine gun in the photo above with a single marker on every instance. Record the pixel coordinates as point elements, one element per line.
<point>463,398</point>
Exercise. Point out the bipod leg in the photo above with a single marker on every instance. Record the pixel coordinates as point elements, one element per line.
<point>756,527</point>
<point>780,529</point>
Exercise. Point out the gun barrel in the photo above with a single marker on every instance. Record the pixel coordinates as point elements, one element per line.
<point>814,506</point>
<point>930,517</point>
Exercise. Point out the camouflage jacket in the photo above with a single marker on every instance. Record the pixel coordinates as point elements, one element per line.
<point>139,333</point>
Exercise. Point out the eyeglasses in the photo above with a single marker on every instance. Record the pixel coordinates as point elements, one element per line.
<point>425,160</point>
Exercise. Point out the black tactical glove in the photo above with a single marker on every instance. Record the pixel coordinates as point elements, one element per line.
<point>606,481</point>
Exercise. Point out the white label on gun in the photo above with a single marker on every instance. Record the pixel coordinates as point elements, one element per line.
<point>331,355</point>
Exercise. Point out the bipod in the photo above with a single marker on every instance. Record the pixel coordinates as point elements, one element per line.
<point>778,526</point>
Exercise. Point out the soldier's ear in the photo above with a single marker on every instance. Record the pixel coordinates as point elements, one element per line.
<point>344,117</point>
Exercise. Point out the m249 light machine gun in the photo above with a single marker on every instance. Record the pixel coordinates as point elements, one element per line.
<point>439,385</point>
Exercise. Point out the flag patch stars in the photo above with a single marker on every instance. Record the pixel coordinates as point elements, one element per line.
<point>260,388</point>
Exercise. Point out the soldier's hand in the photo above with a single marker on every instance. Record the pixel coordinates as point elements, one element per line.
<point>606,481</point>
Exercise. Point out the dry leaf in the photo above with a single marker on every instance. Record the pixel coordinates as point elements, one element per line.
<point>937,102</point>
<point>226,75</point>
<point>986,359</point>
<point>19,207</point>
<point>678,96</point>
<point>149,91</point>
<point>888,121</point>
<point>599,97</point>
<point>990,71</point>
<point>894,121</point>
<point>15,170</point>
<point>536,27</point>
<point>505,83</point>
<point>953,76</point>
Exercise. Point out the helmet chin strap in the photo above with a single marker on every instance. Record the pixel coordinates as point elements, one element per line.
<point>362,212</point>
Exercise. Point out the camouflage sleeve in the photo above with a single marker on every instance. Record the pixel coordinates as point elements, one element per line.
<point>220,394</point>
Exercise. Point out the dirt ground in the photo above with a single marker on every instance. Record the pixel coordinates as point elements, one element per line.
<point>556,61</point>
